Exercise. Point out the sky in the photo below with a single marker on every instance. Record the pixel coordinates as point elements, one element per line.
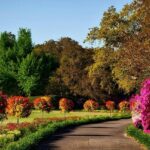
<point>53,19</point>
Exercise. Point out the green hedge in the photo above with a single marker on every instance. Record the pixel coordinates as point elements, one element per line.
<point>139,136</point>
<point>31,140</point>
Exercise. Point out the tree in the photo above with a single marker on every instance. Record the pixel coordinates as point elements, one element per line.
<point>132,69</point>
<point>8,63</point>
<point>24,42</point>
<point>33,73</point>
<point>100,75</point>
<point>127,34</point>
<point>73,63</point>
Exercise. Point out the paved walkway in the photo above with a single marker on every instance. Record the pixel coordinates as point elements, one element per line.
<point>99,136</point>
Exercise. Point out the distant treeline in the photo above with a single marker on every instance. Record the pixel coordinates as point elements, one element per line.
<point>113,70</point>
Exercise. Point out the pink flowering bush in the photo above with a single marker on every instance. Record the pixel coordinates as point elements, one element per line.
<point>140,107</point>
<point>145,104</point>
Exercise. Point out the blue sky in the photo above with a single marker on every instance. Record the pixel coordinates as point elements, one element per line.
<point>53,19</point>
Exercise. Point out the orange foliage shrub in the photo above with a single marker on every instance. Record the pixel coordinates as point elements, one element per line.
<point>66,105</point>
<point>90,105</point>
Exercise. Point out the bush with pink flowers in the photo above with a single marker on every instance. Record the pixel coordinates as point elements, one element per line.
<point>140,107</point>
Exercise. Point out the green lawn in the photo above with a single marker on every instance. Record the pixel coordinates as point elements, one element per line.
<point>57,113</point>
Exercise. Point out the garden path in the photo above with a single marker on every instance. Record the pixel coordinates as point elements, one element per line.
<point>107,135</point>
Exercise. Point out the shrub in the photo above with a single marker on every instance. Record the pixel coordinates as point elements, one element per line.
<point>110,105</point>
<point>145,104</point>
<point>3,105</point>
<point>123,106</point>
<point>90,105</point>
<point>19,107</point>
<point>66,105</point>
<point>43,103</point>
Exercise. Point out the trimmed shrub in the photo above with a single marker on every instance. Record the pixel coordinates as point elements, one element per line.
<point>19,107</point>
<point>123,106</point>
<point>90,105</point>
<point>43,103</point>
<point>66,105</point>
<point>110,105</point>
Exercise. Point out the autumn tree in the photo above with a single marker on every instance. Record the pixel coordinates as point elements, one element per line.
<point>73,66</point>
<point>132,69</point>
<point>127,34</point>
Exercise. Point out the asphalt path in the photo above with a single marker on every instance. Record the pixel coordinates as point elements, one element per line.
<point>109,135</point>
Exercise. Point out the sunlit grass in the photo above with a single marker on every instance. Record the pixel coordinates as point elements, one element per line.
<point>57,113</point>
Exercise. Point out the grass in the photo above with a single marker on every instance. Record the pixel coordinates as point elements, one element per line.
<point>139,135</point>
<point>57,113</point>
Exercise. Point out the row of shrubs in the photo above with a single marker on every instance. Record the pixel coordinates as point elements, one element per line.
<point>20,106</point>
<point>31,140</point>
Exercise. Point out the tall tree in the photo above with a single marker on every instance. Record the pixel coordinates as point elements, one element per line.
<point>132,69</point>
<point>24,42</point>
<point>33,73</point>
<point>8,63</point>
<point>73,63</point>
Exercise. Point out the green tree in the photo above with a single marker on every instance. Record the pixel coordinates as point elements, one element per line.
<point>24,42</point>
<point>8,63</point>
<point>33,73</point>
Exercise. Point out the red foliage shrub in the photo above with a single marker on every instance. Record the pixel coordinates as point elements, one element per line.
<point>43,103</point>
<point>110,105</point>
<point>19,106</point>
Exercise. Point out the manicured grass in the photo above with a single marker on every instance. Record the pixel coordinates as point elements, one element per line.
<point>138,135</point>
<point>28,142</point>
<point>39,114</point>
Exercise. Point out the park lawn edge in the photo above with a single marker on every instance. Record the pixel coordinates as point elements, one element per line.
<point>30,141</point>
<point>139,136</point>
